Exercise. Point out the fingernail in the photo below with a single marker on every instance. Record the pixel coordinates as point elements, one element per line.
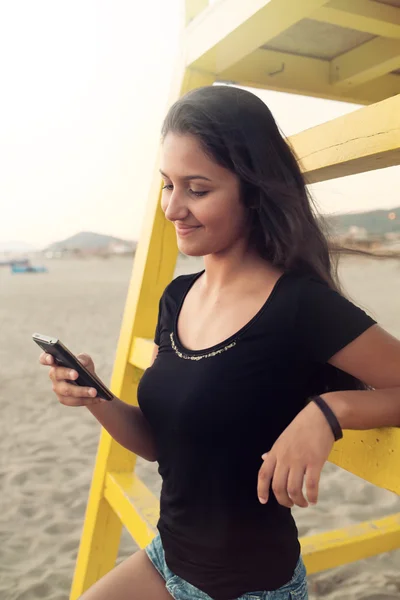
<point>92,392</point>
<point>48,359</point>
<point>72,374</point>
<point>103,400</point>
<point>262,500</point>
<point>264,456</point>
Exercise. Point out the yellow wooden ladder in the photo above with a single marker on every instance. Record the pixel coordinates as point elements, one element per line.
<point>226,41</point>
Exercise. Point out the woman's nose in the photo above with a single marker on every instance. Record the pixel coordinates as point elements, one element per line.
<point>174,206</point>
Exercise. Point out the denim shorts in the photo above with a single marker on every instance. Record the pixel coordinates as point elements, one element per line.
<point>295,589</point>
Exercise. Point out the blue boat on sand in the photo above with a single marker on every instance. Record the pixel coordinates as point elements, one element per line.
<point>27,268</point>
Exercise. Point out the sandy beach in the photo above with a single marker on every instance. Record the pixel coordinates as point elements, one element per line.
<point>47,451</point>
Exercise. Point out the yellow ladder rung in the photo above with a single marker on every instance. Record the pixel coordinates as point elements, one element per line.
<point>371,455</point>
<point>341,546</point>
<point>141,353</point>
<point>134,504</point>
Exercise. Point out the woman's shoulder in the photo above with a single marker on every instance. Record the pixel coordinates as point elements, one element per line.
<point>308,293</point>
<point>308,283</point>
<point>180,285</point>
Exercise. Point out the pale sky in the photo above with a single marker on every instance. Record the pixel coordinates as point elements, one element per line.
<point>84,89</point>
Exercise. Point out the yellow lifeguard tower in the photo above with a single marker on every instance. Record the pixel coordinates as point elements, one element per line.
<point>345,50</point>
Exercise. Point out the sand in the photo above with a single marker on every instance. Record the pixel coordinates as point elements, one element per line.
<point>47,451</point>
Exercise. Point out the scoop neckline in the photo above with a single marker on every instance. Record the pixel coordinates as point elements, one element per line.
<point>234,337</point>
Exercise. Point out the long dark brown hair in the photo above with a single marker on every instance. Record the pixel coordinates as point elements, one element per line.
<point>237,130</point>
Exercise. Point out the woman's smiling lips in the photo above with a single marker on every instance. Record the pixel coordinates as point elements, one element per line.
<point>183,230</point>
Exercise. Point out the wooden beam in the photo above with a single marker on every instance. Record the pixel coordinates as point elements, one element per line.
<point>193,8</point>
<point>366,62</point>
<point>361,15</point>
<point>229,30</point>
<point>136,507</point>
<point>343,546</point>
<point>283,72</point>
<point>371,455</point>
<point>364,140</point>
<point>141,353</point>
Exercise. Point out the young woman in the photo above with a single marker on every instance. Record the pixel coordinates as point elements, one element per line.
<point>257,365</point>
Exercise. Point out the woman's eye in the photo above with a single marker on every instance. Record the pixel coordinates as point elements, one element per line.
<point>169,187</point>
<point>198,194</point>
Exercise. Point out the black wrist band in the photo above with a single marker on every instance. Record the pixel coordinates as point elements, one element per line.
<point>330,417</point>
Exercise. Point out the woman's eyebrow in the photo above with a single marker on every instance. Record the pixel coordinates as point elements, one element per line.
<point>187,177</point>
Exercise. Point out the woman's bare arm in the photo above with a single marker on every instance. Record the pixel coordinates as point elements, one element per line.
<point>127,424</point>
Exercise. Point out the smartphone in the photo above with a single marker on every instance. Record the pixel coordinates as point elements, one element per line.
<point>65,358</point>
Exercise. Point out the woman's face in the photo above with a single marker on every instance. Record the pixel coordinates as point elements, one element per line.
<point>201,198</point>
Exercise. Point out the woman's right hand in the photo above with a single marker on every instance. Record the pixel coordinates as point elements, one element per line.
<point>68,393</point>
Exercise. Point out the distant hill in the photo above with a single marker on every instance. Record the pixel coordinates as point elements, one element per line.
<point>86,241</point>
<point>376,222</point>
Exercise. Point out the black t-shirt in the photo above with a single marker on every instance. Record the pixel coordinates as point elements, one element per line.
<point>214,412</point>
